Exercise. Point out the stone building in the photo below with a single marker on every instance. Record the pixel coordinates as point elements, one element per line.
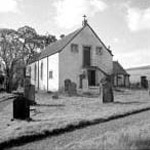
<point>80,57</point>
<point>120,76</point>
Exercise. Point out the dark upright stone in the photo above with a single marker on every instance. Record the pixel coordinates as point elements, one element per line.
<point>107,91</point>
<point>21,109</point>
<point>144,82</point>
<point>29,90</point>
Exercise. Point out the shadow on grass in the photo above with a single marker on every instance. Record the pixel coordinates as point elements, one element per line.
<point>7,98</point>
<point>50,105</point>
<point>68,128</point>
<point>133,102</point>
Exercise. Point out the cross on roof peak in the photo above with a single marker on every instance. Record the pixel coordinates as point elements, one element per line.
<point>84,22</point>
<point>84,16</point>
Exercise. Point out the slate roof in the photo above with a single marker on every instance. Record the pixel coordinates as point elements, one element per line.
<point>34,58</point>
<point>62,43</point>
<point>59,45</point>
<point>118,69</point>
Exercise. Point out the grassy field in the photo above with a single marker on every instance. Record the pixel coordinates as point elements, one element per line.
<point>133,138</point>
<point>55,115</point>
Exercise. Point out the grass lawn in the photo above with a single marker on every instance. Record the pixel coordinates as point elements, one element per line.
<point>136,137</point>
<point>50,114</point>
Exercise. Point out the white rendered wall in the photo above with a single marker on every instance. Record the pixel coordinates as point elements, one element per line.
<point>45,83</point>
<point>53,66</point>
<point>43,80</point>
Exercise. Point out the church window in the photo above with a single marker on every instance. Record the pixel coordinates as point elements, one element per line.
<point>74,48</point>
<point>41,70</point>
<point>99,50</point>
<point>50,74</point>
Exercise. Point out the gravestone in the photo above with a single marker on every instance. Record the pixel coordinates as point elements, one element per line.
<point>29,90</point>
<point>21,109</point>
<point>72,89</point>
<point>144,82</point>
<point>107,91</point>
<point>67,84</point>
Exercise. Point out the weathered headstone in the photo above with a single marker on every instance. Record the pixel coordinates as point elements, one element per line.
<point>67,83</point>
<point>29,90</point>
<point>72,89</point>
<point>144,82</point>
<point>21,109</point>
<point>107,91</point>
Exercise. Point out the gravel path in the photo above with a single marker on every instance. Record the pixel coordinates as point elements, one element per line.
<point>59,142</point>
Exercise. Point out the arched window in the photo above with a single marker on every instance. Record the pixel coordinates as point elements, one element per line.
<point>35,68</point>
<point>42,71</point>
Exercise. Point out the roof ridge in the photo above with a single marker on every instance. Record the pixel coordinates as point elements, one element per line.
<point>99,39</point>
<point>64,37</point>
<point>61,43</point>
<point>117,68</point>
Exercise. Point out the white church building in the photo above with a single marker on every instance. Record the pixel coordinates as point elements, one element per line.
<point>80,57</point>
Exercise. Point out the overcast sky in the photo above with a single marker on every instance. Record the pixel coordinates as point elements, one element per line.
<point>122,24</point>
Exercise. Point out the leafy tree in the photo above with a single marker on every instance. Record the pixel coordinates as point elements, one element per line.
<point>10,53</point>
<point>46,40</point>
<point>18,46</point>
<point>28,36</point>
<point>33,41</point>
